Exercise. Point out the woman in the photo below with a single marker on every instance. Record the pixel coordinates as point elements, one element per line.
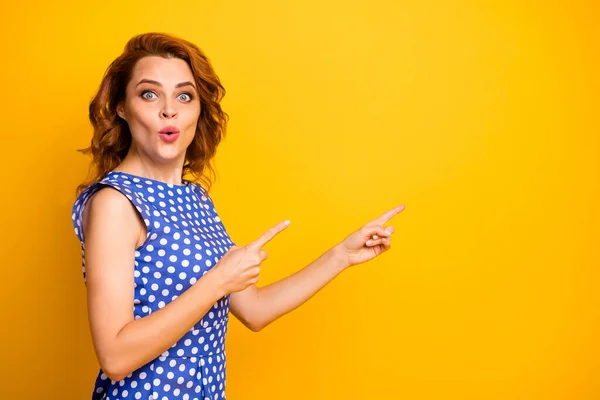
<point>153,243</point>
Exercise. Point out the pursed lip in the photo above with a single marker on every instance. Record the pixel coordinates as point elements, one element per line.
<point>169,128</point>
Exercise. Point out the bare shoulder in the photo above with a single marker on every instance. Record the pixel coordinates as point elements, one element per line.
<point>108,211</point>
<point>111,236</point>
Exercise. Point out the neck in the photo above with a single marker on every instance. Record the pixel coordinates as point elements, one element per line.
<point>137,164</point>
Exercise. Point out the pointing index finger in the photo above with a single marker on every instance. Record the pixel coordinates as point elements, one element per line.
<point>269,234</point>
<point>387,216</point>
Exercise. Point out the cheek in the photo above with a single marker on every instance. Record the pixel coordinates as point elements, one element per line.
<point>190,134</point>
<point>191,120</point>
<point>193,114</point>
<point>137,114</point>
<point>146,116</point>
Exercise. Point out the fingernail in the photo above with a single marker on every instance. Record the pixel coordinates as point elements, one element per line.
<point>368,242</point>
<point>286,222</point>
<point>389,230</point>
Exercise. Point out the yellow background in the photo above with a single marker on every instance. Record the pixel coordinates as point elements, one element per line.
<point>480,117</point>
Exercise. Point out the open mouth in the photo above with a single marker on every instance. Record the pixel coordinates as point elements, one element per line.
<point>169,136</point>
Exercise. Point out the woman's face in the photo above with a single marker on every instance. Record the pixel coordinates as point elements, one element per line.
<point>161,93</point>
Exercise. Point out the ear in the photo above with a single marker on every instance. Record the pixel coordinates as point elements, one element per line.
<point>121,112</point>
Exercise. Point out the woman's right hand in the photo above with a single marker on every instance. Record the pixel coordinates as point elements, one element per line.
<point>240,266</point>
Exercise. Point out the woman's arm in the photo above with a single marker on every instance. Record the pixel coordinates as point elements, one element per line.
<point>113,230</point>
<point>257,307</point>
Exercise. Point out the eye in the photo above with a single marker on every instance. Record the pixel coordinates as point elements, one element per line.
<point>147,92</point>
<point>190,97</point>
<point>146,95</point>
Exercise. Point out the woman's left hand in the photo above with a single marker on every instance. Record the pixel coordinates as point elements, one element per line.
<point>369,241</point>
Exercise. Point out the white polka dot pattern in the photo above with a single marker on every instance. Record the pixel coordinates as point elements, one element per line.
<point>185,239</point>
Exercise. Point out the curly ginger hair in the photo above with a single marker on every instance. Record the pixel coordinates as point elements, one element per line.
<point>111,138</point>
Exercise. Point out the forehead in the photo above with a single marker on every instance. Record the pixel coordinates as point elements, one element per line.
<point>168,71</point>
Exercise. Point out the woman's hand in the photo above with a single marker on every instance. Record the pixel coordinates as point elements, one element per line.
<point>240,266</point>
<point>369,241</point>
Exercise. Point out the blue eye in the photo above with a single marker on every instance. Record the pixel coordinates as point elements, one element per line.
<point>188,95</point>
<point>144,95</point>
<point>145,92</point>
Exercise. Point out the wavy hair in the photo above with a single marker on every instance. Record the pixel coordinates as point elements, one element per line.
<point>111,138</point>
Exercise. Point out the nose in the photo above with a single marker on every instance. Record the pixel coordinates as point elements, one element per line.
<point>168,111</point>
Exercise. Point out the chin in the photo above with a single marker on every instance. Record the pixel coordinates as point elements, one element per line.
<point>169,155</point>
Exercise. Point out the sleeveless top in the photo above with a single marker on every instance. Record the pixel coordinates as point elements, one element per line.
<point>185,239</point>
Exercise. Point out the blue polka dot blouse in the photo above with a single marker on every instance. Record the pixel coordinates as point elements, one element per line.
<point>185,239</point>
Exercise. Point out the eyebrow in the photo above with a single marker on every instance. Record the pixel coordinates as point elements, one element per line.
<point>186,83</point>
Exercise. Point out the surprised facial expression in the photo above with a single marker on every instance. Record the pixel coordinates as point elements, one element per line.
<point>162,108</point>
